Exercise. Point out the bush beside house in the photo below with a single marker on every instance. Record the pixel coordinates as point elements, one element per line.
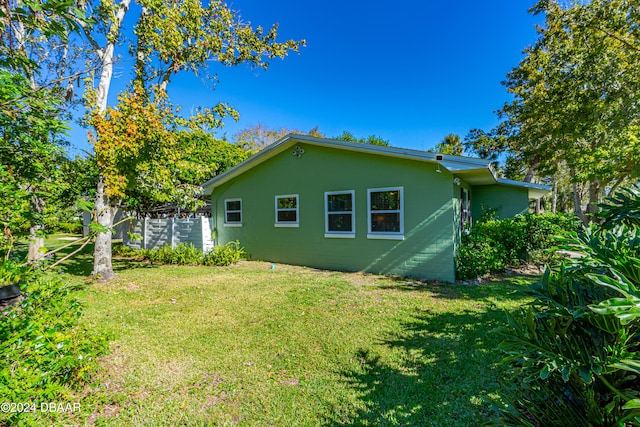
<point>493,245</point>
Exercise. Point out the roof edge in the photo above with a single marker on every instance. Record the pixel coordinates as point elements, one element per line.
<point>536,191</point>
<point>452,163</point>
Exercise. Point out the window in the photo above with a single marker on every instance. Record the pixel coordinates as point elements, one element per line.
<point>339,214</point>
<point>233,213</point>
<point>465,210</point>
<point>287,211</point>
<point>386,213</point>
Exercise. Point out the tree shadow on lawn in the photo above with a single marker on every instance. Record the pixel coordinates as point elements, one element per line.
<point>81,264</point>
<point>498,288</point>
<point>444,369</point>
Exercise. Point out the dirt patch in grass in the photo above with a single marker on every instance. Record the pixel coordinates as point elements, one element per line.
<point>110,387</point>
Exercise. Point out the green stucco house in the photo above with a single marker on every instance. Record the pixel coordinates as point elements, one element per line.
<point>357,207</point>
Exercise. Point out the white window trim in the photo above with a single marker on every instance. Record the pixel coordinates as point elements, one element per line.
<point>297,209</point>
<point>226,211</point>
<point>340,234</point>
<point>385,235</point>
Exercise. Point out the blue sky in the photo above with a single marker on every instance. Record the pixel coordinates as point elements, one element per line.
<point>408,71</point>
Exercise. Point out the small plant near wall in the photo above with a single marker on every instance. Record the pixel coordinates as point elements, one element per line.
<point>224,255</point>
<point>573,354</point>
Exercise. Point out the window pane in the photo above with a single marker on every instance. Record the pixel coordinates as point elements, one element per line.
<point>340,222</point>
<point>233,217</point>
<point>233,205</point>
<point>385,200</point>
<point>286,202</point>
<point>340,202</point>
<point>287,216</point>
<point>385,222</point>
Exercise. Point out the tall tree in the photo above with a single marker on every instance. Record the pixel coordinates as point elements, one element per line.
<point>168,37</point>
<point>371,139</point>
<point>575,96</point>
<point>255,138</point>
<point>35,79</point>
<point>451,144</point>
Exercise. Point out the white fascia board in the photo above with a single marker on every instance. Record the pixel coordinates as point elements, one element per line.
<point>535,190</point>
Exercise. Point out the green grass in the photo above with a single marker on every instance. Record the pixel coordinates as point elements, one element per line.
<point>247,345</point>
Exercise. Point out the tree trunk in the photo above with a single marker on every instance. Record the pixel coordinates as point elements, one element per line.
<point>36,242</point>
<point>577,205</point>
<point>554,200</point>
<point>102,266</point>
<point>594,199</point>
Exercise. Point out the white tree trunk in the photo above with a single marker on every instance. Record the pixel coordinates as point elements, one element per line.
<point>102,266</point>
<point>102,256</point>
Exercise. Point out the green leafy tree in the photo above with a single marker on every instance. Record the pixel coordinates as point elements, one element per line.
<point>486,145</point>
<point>34,87</point>
<point>371,139</point>
<point>168,38</point>
<point>199,156</point>
<point>30,147</point>
<point>451,144</point>
<point>575,95</point>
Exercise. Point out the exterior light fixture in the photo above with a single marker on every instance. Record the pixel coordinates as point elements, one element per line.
<point>297,152</point>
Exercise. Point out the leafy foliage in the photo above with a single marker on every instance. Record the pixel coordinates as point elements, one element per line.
<point>371,139</point>
<point>573,352</point>
<point>493,245</point>
<point>45,352</point>
<point>574,105</point>
<point>623,207</point>
<point>224,254</point>
<point>186,254</point>
<point>148,154</point>
<point>451,144</point>
<point>30,127</point>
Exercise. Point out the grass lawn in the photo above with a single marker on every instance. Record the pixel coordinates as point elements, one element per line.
<point>248,345</point>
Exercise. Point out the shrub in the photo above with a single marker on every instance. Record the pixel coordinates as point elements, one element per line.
<point>477,257</point>
<point>118,249</point>
<point>187,254</point>
<point>44,352</point>
<point>224,255</point>
<point>492,244</point>
<point>572,355</point>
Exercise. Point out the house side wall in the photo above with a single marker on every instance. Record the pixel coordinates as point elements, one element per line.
<point>508,201</point>
<point>426,251</point>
